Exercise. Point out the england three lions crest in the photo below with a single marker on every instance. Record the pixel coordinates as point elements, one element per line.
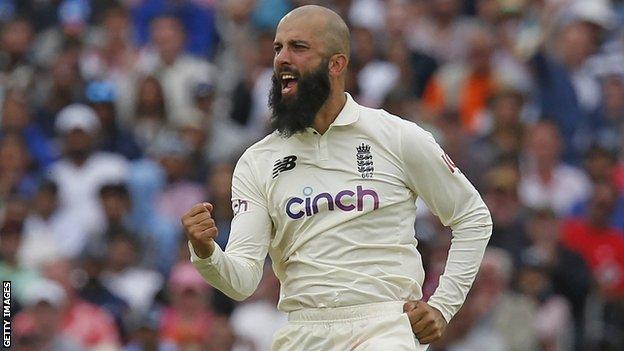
<point>364,161</point>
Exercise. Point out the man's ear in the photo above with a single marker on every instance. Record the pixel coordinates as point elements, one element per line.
<point>337,64</point>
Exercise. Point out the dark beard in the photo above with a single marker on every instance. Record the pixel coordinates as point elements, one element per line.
<point>293,115</point>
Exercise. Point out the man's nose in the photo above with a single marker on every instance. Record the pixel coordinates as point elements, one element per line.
<point>282,58</point>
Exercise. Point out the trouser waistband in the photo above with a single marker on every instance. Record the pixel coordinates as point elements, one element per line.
<point>346,313</point>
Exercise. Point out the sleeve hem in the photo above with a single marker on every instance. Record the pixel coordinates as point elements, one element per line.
<point>211,261</point>
<point>446,314</point>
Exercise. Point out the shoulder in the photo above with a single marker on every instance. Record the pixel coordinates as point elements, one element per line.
<point>252,164</point>
<point>393,127</point>
<point>262,148</point>
<point>572,174</point>
<point>396,134</point>
<point>109,160</point>
<point>59,166</point>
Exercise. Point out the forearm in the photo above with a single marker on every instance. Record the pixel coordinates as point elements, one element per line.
<point>237,276</point>
<point>470,238</point>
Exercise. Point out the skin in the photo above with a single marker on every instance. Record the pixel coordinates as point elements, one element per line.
<point>304,37</point>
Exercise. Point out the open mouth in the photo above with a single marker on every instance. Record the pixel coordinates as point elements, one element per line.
<point>289,83</point>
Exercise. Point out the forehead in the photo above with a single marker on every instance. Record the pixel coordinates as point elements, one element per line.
<point>299,28</point>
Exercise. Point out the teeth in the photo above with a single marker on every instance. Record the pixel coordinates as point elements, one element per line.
<point>288,76</point>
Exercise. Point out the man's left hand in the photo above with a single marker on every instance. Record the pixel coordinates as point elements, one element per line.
<point>428,324</point>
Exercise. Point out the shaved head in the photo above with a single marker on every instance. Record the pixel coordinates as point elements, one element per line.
<point>326,24</point>
<point>311,49</point>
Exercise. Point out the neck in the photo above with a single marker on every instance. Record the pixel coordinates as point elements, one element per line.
<point>79,160</point>
<point>169,58</point>
<point>330,110</point>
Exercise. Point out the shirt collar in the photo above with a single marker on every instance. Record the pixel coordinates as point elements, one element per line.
<point>349,114</point>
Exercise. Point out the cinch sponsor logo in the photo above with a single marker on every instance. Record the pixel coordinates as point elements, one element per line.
<point>297,207</point>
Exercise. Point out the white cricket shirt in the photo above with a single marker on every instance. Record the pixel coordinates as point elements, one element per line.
<point>336,214</point>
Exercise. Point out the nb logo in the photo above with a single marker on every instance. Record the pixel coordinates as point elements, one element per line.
<point>285,164</point>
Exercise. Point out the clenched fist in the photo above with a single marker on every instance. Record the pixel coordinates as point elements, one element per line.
<point>427,322</point>
<point>200,229</point>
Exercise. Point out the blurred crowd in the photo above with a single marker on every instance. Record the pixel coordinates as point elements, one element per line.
<point>118,116</point>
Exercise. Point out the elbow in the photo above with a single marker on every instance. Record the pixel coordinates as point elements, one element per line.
<point>487,219</point>
<point>245,285</point>
<point>240,296</point>
<point>478,218</point>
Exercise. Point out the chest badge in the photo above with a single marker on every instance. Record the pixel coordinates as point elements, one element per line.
<point>364,161</point>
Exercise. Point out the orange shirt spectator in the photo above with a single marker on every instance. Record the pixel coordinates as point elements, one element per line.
<point>467,94</point>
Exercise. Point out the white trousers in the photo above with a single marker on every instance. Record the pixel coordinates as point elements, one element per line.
<point>371,327</point>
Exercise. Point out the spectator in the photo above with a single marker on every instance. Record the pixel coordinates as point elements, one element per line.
<point>247,115</point>
<point>189,321</point>
<point>601,246</point>
<point>443,34</point>
<point>178,72</point>
<point>37,326</point>
<point>50,229</point>
<point>89,325</point>
<point>503,131</point>
<point>503,121</point>
<point>606,124</point>
<point>60,88</point>
<point>465,87</point>
<point>114,59</point>
<point>178,193</point>
<point>16,66</point>
<point>567,90</point>
<point>495,318</point>
<point>568,273</point>
<point>143,329</point>
<point>193,134</point>
<point>370,67</point>
<point>16,176</point>
<point>101,95</point>
<point>546,180</point>
<point>508,213</point>
<point>16,119</point>
<point>115,201</point>
<point>11,237</point>
<point>419,66</point>
<point>260,311</point>
<point>150,115</point>
<point>223,338</point>
<point>74,32</point>
<point>601,167</point>
<point>553,320</point>
<point>123,277</point>
<point>197,17</point>
<point>82,170</point>
<point>92,289</point>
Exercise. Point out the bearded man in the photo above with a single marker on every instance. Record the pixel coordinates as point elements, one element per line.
<point>330,195</point>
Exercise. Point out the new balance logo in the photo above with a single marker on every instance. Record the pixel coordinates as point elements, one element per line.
<point>285,164</point>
